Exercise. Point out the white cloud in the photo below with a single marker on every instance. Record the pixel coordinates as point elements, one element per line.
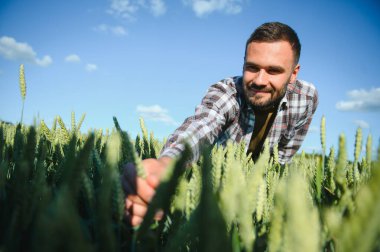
<point>101,28</point>
<point>157,7</point>
<point>72,58</point>
<point>204,7</point>
<point>155,113</point>
<point>128,8</point>
<point>361,100</point>
<point>91,67</point>
<point>116,30</point>
<point>123,8</point>
<point>13,50</point>
<point>45,61</point>
<point>362,124</point>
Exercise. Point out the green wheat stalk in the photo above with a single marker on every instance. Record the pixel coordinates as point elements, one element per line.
<point>64,136</point>
<point>331,170</point>
<point>80,122</point>
<point>145,138</point>
<point>340,175</point>
<point>45,131</point>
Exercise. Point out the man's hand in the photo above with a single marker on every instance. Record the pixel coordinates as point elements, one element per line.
<point>140,191</point>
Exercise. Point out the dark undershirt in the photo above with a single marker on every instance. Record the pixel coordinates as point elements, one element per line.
<point>263,123</point>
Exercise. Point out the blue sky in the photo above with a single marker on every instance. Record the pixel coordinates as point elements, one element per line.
<point>156,59</point>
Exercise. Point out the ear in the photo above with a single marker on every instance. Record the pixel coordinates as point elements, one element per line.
<point>293,77</point>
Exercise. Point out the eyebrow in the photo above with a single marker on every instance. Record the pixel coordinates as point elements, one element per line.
<point>274,67</point>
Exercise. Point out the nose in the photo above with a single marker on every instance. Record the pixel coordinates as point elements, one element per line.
<point>261,78</point>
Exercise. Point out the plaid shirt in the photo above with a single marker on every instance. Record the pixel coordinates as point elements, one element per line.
<point>224,114</point>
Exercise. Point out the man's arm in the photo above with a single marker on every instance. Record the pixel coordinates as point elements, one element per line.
<point>288,148</point>
<point>217,107</point>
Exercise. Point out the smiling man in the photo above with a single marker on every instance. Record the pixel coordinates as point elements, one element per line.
<point>267,102</point>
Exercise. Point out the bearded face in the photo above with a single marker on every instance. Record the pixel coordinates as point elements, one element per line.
<point>268,68</point>
<point>262,99</point>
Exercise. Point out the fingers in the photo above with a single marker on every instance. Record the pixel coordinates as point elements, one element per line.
<point>128,204</point>
<point>136,220</point>
<point>144,190</point>
<point>136,200</point>
<point>136,212</point>
<point>144,194</point>
<point>153,181</point>
<point>132,184</point>
<point>139,191</point>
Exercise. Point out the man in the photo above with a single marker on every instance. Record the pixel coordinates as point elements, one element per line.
<point>267,102</point>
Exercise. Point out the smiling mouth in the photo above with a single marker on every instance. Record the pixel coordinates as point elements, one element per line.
<point>258,91</point>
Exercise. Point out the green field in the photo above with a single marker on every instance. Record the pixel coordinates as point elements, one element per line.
<point>61,190</point>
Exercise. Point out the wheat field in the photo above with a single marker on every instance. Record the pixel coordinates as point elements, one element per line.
<point>61,190</point>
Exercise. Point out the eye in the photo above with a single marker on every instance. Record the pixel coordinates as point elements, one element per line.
<point>274,71</point>
<point>251,68</point>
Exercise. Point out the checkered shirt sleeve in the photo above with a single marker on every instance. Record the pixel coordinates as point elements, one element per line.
<point>218,107</point>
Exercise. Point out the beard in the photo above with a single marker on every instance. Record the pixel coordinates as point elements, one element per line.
<point>269,104</point>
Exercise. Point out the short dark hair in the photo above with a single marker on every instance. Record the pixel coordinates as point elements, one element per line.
<point>276,31</point>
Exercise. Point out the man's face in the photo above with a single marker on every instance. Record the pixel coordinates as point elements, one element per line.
<point>268,68</point>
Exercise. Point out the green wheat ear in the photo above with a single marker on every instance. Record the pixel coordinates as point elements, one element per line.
<point>323,135</point>
<point>369,149</point>
<point>358,143</point>
<point>22,82</point>
<point>22,89</point>
<point>323,143</point>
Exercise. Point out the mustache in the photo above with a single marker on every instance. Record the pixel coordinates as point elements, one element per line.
<point>254,86</point>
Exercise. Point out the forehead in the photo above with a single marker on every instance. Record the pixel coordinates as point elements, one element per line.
<point>270,53</point>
